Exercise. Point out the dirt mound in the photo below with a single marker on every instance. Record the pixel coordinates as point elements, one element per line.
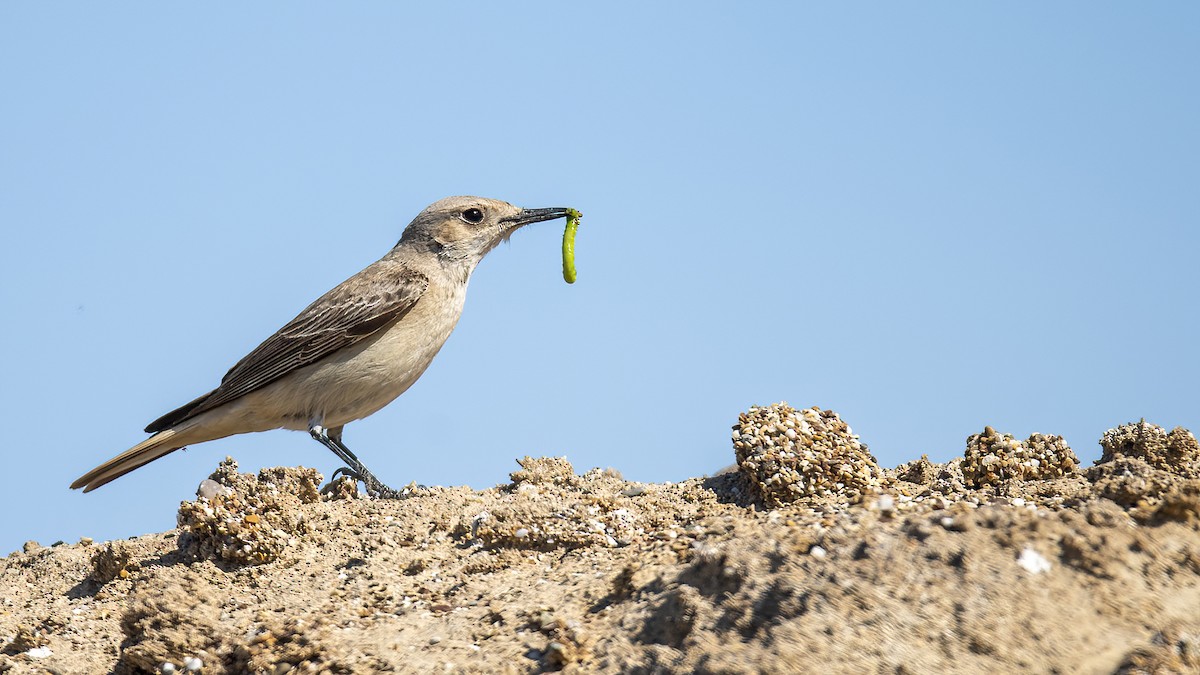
<point>911,570</point>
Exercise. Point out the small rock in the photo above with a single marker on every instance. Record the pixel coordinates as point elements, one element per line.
<point>1032,561</point>
<point>210,488</point>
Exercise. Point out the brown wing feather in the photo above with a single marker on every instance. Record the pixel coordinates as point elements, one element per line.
<point>355,309</point>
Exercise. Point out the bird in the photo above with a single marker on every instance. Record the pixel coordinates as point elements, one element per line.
<point>352,351</point>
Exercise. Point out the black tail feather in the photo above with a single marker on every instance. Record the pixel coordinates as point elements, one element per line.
<point>176,416</point>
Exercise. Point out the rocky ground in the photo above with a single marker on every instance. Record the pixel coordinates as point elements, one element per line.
<point>806,558</point>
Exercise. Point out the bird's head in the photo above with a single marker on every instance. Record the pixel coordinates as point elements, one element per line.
<point>464,229</point>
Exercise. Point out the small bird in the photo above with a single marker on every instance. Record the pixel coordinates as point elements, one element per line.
<point>352,351</point>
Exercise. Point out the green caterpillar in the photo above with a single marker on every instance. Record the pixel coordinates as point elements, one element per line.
<point>573,217</point>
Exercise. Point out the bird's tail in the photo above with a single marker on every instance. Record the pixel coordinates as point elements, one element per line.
<point>161,443</point>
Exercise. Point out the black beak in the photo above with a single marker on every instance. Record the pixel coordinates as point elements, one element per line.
<point>527,216</point>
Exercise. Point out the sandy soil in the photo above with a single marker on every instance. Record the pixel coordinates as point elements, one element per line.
<point>779,567</point>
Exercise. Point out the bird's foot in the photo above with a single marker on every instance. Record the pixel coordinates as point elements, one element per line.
<point>375,487</point>
<point>332,439</point>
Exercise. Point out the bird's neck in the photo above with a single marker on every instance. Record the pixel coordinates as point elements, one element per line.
<point>436,261</point>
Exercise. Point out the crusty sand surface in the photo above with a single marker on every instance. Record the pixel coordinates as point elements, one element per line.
<point>914,571</point>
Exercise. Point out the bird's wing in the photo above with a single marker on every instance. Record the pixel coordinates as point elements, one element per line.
<point>356,309</point>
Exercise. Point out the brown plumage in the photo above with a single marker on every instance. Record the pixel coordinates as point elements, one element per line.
<point>353,350</point>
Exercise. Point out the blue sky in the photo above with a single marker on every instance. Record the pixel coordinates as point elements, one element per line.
<point>929,218</point>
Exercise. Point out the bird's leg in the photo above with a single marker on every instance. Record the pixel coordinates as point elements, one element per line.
<point>332,439</point>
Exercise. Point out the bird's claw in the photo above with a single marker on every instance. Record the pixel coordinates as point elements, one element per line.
<point>374,487</point>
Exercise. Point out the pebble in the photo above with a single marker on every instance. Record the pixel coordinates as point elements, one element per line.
<point>210,488</point>
<point>39,652</point>
<point>817,552</point>
<point>1032,561</point>
<point>193,664</point>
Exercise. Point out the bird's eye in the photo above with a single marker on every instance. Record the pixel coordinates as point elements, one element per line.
<point>472,215</point>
